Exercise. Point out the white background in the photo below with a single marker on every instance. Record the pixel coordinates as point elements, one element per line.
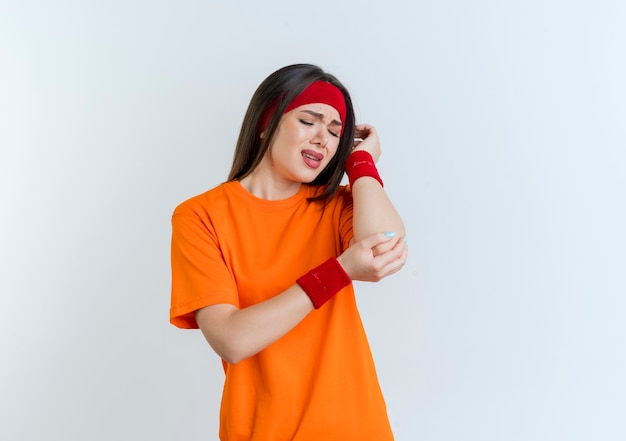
<point>504,132</point>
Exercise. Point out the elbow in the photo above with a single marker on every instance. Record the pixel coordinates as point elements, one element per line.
<point>231,350</point>
<point>230,359</point>
<point>400,229</point>
<point>231,356</point>
<point>226,338</point>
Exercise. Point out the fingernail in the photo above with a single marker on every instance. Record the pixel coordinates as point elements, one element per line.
<point>390,233</point>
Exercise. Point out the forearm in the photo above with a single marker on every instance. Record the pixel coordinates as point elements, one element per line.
<point>236,334</point>
<point>373,211</point>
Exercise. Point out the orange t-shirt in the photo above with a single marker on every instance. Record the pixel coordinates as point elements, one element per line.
<point>318,382</point>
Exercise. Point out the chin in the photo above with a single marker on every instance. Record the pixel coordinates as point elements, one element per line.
<point>305,177</point>
<point>310,179</point>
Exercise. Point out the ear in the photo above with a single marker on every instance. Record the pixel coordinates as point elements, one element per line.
<point>262,134</point>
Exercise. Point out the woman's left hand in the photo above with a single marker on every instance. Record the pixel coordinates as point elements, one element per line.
<point>366,138</point>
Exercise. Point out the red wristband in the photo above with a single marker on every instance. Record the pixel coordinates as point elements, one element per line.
<point>359,164</point>
<point>323,282</point>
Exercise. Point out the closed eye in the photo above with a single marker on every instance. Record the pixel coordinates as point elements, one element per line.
<point>309,123</point>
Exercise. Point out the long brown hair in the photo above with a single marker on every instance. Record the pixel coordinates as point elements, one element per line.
<point>278,90</point>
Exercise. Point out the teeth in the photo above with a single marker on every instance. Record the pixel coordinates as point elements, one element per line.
<point>310,157</point>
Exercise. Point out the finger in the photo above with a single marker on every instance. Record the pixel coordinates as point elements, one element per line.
<point>363,131</point>
<point>400,262</point>
<point>365,127</point>
<point>393,260</point>
<point>391,254</point>
<point>393,268</point>
<point>376,239</point>
<point>384,247</point>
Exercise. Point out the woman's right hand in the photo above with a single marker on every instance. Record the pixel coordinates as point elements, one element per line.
<point>374,257</point>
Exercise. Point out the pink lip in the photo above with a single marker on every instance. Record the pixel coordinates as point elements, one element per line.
<point>312,158</point>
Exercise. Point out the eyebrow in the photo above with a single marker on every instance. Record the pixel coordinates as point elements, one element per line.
<point>321,116</point>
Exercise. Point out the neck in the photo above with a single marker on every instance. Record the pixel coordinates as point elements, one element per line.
<point>266,186</point>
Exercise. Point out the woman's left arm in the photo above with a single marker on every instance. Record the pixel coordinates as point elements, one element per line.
<point>373,211</point>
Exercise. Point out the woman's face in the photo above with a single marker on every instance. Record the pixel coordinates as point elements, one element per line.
<point>306,140</point>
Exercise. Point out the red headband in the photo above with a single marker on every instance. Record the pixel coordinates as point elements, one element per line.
<point>317,92</point>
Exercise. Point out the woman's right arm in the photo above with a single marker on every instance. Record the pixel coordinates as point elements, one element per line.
<point>236,334</point>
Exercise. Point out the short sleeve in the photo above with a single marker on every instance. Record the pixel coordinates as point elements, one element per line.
<point>200,277</point>
<point>345,217</point>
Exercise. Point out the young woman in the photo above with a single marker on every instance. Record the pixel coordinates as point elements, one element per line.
<point>263,265</point>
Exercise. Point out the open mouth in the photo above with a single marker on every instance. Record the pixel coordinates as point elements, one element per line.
<point>306,155</point>
<point>311,158</point>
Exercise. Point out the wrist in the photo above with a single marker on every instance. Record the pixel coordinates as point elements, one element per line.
<point>346,268</point>
<point>360,163</point>
<point>323,282</point>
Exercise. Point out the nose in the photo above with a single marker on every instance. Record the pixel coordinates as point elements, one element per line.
<point>321,137</point>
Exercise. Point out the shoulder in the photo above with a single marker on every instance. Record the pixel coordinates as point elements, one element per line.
<point>202,203</point>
